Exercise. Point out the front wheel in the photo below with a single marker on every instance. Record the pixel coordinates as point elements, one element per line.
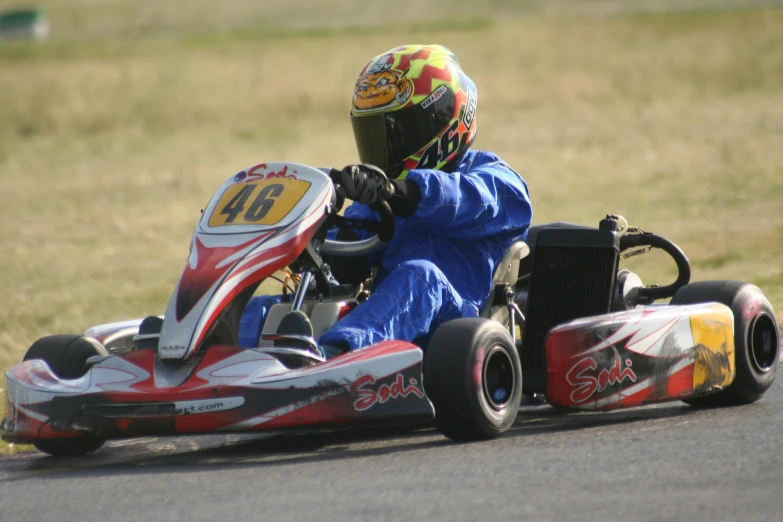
<point>473,376</point>
<point>66,356</point>
<point>75,447</point>
<point>756,339</point>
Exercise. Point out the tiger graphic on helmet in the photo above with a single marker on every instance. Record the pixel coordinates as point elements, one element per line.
<point>381,90</point>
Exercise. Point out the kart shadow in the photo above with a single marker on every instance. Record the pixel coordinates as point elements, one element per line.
<point>552,420</point>
<point>298,448</point>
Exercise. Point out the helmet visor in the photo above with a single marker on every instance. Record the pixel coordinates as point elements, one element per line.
<point>386,138</point>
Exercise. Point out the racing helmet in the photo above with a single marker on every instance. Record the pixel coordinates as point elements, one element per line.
<point>413,107</point>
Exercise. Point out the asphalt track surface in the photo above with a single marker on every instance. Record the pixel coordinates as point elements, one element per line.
<point>669,462</point>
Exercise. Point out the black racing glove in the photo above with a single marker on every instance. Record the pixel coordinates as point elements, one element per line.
<point>405,200</point>
<point>366,184</point>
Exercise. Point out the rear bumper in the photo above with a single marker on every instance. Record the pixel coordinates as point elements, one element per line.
<point>229,389</point>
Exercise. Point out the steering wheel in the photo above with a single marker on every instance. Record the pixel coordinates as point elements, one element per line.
<point>385,228</point>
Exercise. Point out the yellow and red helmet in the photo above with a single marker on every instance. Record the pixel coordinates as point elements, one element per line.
<point>413,107</point>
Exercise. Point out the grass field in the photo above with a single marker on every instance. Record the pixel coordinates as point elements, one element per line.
<point>115,132</point>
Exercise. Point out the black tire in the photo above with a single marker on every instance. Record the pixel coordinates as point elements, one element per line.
<point>69,447</point>
<point>67,357</point>
<point>756,339</point>
<point>471,405</point>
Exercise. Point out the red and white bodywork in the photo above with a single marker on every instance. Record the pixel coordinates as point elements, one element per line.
<point>653,354</point>
<point>259,221</point>
<point>228,389</point>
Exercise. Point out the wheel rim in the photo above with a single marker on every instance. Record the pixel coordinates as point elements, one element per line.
<point>763,341</point>
<point>499,381</point>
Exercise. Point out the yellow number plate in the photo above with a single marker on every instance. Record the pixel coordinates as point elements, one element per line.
<point>262,202</point>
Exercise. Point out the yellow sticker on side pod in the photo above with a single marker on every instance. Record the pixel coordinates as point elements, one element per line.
<point>262,202</point>
<point>713,338</point>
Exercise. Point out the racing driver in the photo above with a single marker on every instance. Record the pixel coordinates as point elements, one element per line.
<point>458,210</point>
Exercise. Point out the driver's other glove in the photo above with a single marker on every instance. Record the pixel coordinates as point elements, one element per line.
<point>366,184</point>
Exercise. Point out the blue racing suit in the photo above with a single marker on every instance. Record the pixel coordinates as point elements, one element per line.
<point>440,262</point>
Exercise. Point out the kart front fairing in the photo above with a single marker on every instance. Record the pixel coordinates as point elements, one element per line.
<point>259,221</point>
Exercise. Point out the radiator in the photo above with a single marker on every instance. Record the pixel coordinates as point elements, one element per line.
<point>573,275</point>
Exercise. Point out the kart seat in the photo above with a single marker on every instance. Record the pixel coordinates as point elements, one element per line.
<point>506,273</point>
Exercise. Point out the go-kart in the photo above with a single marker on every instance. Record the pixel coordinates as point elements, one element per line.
<point>563,324</point>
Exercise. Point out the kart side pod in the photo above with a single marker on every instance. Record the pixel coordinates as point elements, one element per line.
<point>654,354</point>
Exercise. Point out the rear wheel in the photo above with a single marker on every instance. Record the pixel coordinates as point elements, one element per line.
<point>473,376</point>
<point>66,356</point>
<point>756,339</point>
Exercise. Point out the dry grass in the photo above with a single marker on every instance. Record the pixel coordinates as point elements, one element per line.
<point>112,20</point>
<point>109,150</point>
